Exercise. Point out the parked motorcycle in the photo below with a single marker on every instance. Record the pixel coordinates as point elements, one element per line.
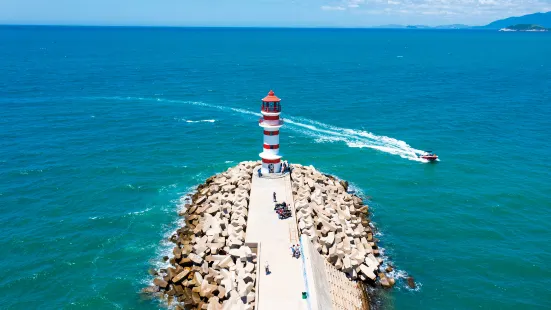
<point>283,214</point>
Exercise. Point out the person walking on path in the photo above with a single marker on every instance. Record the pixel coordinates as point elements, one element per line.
<point>293,250</point>
<point>275,200</point>
<point>267,268</point>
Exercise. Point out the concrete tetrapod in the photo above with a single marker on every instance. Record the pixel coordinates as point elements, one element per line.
<point>209,244</point>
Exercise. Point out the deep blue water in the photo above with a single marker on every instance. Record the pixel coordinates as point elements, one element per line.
<point>102,130</point>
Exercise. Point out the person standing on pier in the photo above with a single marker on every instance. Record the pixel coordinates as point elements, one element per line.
<point>296,251</point>
<point>275,200</point>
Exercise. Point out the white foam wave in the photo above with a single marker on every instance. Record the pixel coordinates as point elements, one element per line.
<point>245,111</point>
<point>399,275</point>
<point>167,188</point>
<point>321,132</point>
<point>165,246</point>
<point>139,212</point>
<point>202,121</point>
<point>29,171</point>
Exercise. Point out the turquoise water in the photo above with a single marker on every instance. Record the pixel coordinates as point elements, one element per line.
<point>102,130</point>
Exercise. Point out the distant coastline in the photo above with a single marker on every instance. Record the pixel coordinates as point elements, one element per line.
<point>537,22</point>
<point>524,28</point>
<point>542,19</point>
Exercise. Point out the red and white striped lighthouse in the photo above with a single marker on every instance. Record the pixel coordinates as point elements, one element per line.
<point>270,122</point>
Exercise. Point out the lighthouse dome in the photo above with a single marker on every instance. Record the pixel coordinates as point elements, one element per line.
<point>271,97</point>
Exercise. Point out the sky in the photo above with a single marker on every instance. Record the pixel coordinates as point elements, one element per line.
<point>277,13</point>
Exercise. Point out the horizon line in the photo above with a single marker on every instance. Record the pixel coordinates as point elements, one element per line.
<point>390,26</point>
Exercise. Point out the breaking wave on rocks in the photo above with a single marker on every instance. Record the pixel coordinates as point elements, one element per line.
<point>165,245</point>
<point>399,275</point>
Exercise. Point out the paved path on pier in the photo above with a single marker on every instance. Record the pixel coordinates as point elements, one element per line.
<point>282,288</point>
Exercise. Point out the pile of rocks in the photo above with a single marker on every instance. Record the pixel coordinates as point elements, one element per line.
<point>211,267</point>
<point>337,224</point>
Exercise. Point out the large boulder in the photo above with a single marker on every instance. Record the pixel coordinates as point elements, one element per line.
<point>195,258</point>
<point>385,282</point>
<point>367,272</point>
<point>201,200</point>
<point>226,262</point>
<point>207,289</point>
<point>160,283</point>
<point>237,253</point>
<point>179,277</point>
<point>150,289</point>
<point>245,289</point>
<point>411,283</point>
<point>198,278</point>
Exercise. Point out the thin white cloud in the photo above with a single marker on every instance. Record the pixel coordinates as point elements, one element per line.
<point>491,9</point>
<point>332,8</point>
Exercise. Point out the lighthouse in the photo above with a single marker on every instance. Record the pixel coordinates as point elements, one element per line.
<point>270,122</point>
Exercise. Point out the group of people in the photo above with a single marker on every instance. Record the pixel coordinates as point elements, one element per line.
<point>284,168</point>
<point>295,249</point>
<point>282,209</point>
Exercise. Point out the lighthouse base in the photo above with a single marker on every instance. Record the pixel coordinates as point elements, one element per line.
<point>271,163</point>
<point>270,168</point>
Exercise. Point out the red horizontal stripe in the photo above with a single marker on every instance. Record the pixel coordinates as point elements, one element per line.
<point>271,133</point>
<point>268,146</point>
<point>271,161</point>
<point>271,118</point>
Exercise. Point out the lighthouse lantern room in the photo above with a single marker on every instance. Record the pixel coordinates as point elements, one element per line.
<point>270,122</point>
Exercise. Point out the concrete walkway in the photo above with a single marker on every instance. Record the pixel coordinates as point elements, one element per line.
<point>282,288</point>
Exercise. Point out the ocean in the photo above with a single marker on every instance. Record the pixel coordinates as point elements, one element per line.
<point>104,130</point>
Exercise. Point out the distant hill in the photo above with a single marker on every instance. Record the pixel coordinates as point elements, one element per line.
<point>454,26</point>
<point>524,27</point>
<point>417,27</point>
<point>542,19</point>
<point>390,26</point>
<point>395,26</point>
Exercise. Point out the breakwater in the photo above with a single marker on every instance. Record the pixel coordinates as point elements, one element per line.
<point>337,223</point>
<point>212,266</point>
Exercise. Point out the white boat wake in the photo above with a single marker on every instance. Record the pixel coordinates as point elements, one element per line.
<point>319,131</point>
<point>357,139</point>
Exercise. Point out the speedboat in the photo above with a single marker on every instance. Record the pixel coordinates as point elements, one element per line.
<point>430,156</point>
